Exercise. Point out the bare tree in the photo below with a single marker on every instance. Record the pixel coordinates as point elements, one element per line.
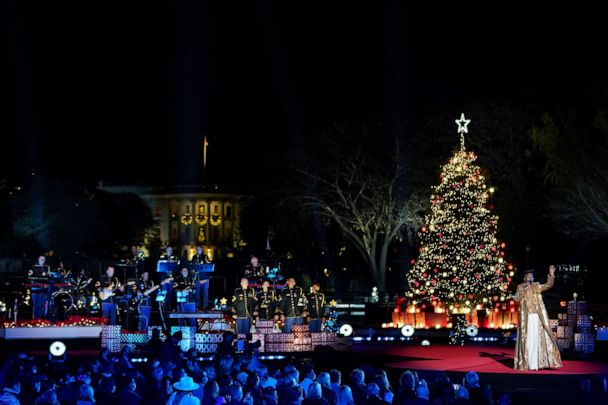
<point>581,208</point>
<point>365,192</point>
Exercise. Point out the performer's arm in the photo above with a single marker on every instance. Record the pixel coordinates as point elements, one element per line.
<point>518,293</point>
<point>550,280</point>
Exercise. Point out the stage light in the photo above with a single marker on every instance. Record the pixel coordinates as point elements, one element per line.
<point>57,348</point>
<point>472,330</point>
<point>425,343</point>
<point>273,357</point>
<point>346,330</point>
<point>407,330</point>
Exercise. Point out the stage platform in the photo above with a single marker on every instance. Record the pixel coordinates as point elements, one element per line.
<point>60,333</point>
<point>483,359</point>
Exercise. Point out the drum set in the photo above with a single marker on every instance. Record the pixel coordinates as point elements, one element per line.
<point>74,296</point>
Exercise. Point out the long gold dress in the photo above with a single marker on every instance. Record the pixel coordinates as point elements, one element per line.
<point>531,301</point>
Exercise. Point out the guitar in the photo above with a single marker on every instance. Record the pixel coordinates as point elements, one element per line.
<point>156,287</point>
<point>110,292</point>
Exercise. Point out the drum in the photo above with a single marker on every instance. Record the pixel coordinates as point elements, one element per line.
<point>64,300</point>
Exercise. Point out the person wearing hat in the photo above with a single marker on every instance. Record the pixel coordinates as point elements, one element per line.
<point>183,392</point>
<point>535,347</point>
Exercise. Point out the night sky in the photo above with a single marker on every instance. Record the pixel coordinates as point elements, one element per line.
<point>125,92</point>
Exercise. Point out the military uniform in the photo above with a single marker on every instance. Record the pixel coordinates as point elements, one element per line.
<point>243,304</point>
<point>108,306</point>
<point>316,310</point>
<point>144,308</point>
<point>267,305</point>
<point>291,304</point>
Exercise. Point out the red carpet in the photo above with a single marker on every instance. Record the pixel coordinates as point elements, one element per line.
<point>483,359</point>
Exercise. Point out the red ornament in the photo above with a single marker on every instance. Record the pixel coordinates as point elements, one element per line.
<point>477,276</point>
<point>455,279</point>
<point>425,275</point>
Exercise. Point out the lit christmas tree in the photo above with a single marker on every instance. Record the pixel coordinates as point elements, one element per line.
<point>462,265</point>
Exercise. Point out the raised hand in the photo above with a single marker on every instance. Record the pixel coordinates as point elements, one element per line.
<point>552,270</point>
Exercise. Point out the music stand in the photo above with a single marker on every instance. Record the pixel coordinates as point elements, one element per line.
<point>166,266</point>
<point>202,271</point>
<point>40,271</point>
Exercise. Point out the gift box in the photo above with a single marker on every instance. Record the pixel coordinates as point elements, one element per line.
<point>584,348</point>
<point>584,338</point>
<point>577,307</point>
<point>113,345</point>
<point>206,347</point>
<point>583,320</point>
<point>188,332</point>
<point>110,331</point>
<point>134,338</point>
<point>565,344</point>
<point>565,332</point>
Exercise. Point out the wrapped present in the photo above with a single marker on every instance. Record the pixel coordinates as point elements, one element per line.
<point>583,320</point>
<point>565,332</point>
<point>300,329</point>
<point>187,344</point>
<point>577,307</point>
<point>110,331</point>
<point>565,343</point>
<point>585,329</point>
<point>584,348</point>
<point>584,338</point>
<point>134,338</point>
<point>431,320</point>
<point>113,345</point>
<point>264,324</point>
<point>188,332</point>
<point>208,338</point>
<point>206,347</point>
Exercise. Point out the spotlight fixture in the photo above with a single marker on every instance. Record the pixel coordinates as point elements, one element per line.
<point>346,330</point>
<point>472,330</point>
<point>407,330</point>
<point>425,343</point>
<point>57,348</point>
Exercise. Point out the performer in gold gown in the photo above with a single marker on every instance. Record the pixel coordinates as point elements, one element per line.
<point>536,347</point>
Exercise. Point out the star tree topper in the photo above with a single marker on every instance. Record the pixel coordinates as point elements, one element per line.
<point>462,128</point>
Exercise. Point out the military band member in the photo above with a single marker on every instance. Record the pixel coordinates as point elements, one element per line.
<point>291,304</point>
<point>200,257</point>
<point>40,273</point>
<point>144,308</point>
<point>316,308</point>
<point>185,288</point>
<point>243,305</point>
<point>202,288</point>
<point>254,268</point>
<point>266,303</point>
<point>108,287</point>
<point>168,289</point>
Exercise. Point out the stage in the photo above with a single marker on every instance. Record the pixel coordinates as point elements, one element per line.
<point>483,359</point>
